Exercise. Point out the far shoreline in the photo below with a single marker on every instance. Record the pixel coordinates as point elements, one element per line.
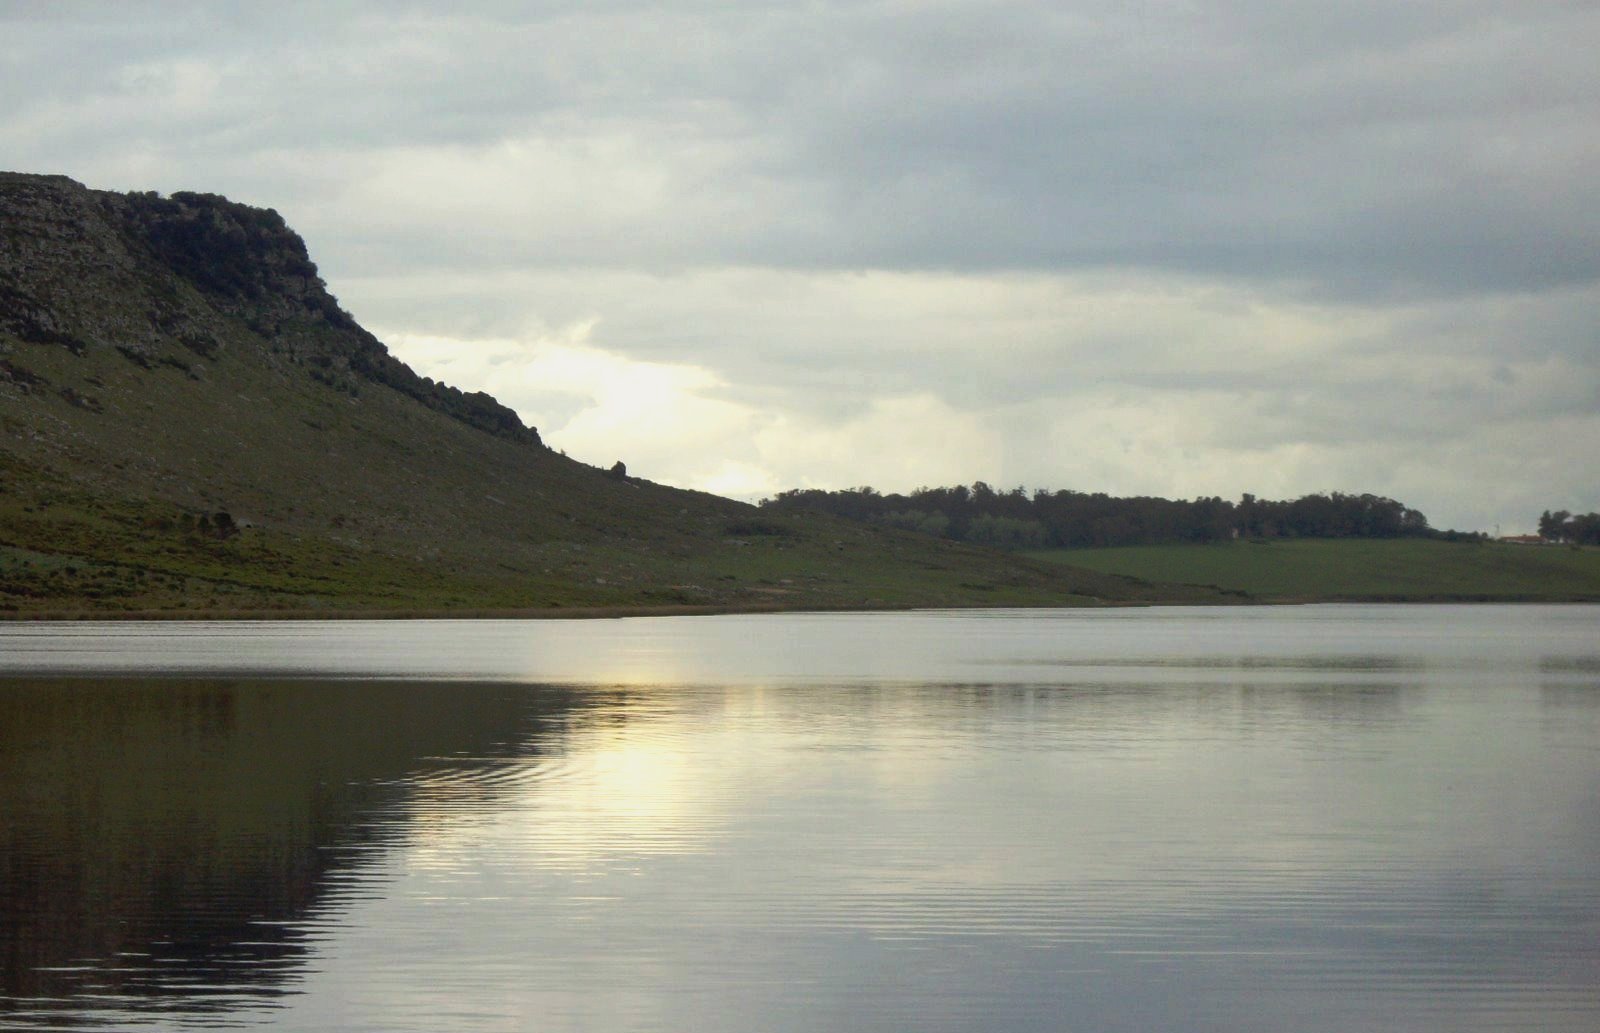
<point>525,613</point>
<point>620,612</point>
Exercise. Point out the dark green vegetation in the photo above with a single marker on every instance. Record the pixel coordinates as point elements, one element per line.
<point>1073,519</point>
<point>1317,547</point>
<point>1395,569</point>
<point>189,422</point>
<point>1561,526</point>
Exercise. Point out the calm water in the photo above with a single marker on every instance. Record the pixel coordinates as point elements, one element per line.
<point>1307,818</point>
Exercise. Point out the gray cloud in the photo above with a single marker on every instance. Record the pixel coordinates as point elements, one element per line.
<point>1441,146</point>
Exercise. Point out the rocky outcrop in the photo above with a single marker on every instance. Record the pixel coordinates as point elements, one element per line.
<point>171,281</point>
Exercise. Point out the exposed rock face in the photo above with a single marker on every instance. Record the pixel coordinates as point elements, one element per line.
<point>167,281</point>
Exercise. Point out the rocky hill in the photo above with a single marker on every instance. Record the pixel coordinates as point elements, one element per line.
<point>150,275</point>
<point>189,421</point>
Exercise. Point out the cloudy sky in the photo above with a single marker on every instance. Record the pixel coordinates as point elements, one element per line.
<point>1178,248</point>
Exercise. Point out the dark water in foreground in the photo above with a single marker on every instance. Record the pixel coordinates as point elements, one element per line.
<point>1313,818</point>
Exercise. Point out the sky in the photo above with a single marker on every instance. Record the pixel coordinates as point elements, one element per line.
<point>1177,248</point>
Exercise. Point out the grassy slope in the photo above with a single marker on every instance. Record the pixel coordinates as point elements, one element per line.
<point>496,526</point>
<point>1353,569</point>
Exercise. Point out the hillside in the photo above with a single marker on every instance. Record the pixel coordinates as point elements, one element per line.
<point>1385,570</point>
<point>189,422</point>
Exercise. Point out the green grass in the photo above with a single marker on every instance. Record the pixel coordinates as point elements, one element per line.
<point>66,550</point>
<point>1401,569</point>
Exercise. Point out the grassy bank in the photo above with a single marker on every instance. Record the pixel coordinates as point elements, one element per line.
<point>66,552</point>
<point>1351,569</point>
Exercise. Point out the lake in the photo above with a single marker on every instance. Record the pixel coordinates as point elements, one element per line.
<point>1324,818</point>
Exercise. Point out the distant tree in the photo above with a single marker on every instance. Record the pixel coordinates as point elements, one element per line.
<point>1075,519</point>
<point>618,471</point>
<point>905,519</point>
<point>1551,524</point>
<point>1006,532</point>
<point>1576,529</point>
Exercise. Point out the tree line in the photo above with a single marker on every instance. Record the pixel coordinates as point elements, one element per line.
<point>1016,519</point>
<point>1575,529</point>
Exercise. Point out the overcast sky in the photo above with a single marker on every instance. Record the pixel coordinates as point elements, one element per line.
<point>1180,248</point>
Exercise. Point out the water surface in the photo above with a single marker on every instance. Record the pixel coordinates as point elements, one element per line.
<point>1307,818</point>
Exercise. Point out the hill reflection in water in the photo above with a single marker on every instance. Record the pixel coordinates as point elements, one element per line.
<point>173,845</point>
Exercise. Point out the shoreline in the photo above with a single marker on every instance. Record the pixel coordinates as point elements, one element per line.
<point>712,610</point>
<point>408,613</point>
